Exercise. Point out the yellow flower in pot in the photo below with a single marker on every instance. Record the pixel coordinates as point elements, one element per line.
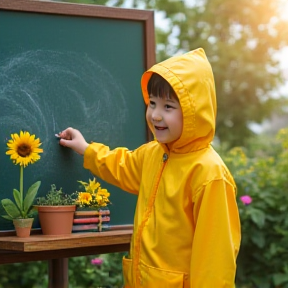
<point>23,149</point>
<point>89,204</point>
<point>56,211</point>
<point>94,196</point>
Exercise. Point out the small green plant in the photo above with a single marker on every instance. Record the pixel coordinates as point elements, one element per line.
<point>56,197</point>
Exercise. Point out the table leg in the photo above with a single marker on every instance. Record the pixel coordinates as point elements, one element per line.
<point>58,273</point>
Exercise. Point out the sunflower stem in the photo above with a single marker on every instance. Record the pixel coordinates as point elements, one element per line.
<point>21,185</point>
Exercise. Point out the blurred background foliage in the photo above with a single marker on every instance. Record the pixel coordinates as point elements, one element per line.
<point>243,42</point>
<point>103,271</point>
<point>260,171</point>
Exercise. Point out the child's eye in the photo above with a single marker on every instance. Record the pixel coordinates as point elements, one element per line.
<point>168,107</point>
<point>152,104</point>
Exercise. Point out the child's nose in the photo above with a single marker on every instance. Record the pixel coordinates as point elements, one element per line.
<point>156,117</point>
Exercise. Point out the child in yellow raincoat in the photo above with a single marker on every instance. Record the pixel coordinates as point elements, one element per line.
<point>186,224</point>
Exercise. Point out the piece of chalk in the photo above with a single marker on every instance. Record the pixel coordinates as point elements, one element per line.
<point>57,136</point>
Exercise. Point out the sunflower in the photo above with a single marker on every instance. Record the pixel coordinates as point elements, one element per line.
<point>24,148</point>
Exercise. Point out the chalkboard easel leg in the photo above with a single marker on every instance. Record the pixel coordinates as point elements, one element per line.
<point>58,273</point>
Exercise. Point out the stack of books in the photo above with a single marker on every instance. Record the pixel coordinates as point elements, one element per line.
<point>89,221</point>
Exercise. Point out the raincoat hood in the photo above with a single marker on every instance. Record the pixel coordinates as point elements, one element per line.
<point>191,77</point>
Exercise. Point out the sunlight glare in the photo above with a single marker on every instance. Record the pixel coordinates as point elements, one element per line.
<point>283,9</point>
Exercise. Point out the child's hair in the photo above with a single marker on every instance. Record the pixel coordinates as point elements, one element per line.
<point>159,87</point>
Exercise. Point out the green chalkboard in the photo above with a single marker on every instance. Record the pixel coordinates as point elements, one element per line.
<point>71,65</point>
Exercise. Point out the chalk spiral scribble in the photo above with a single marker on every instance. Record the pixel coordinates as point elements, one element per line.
<point>44,91</point>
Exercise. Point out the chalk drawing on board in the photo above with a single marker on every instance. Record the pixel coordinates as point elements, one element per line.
<point>45,91</point>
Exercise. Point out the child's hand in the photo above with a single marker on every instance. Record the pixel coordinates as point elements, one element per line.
<point>73,139</point>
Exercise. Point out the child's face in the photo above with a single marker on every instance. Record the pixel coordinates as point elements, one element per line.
<point>164,116</point>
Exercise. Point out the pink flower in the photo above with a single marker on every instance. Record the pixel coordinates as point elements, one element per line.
<point>97,261</point>
<point>246,200</point>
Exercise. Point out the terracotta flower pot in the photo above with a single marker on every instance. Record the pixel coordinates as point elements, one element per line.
<point>56,220</point>
<point>23,227</point>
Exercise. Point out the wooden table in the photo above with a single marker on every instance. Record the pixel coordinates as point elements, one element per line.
<point>58,249</point>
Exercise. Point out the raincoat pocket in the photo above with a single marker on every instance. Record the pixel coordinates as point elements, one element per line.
<point>127,272</point>
<point>152,277</point>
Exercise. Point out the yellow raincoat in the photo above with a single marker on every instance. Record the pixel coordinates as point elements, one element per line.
<point>186,225</point>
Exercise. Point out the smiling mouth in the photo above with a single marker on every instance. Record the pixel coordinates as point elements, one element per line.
<point>160,128</point>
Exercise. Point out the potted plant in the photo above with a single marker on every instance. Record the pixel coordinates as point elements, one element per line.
<point>91,207</point>
<point>23,150</point>
<point>56,212</point>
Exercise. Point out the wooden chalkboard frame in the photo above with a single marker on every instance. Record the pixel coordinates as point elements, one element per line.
<point>145,17</point>
<point>114,241</point>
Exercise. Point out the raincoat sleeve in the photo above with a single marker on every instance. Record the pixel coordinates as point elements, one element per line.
<point>120,167</point>
<point>217,236</point>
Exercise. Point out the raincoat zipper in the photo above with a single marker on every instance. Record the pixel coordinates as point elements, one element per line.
<point>136,271</point>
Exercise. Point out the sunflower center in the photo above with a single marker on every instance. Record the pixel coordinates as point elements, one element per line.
<point>24,150</point>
